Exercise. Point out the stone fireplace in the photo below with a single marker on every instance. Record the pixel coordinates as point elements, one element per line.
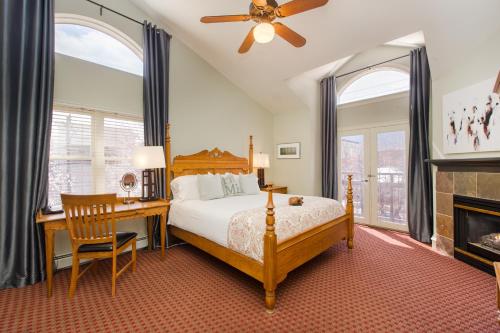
<point>462,180</point>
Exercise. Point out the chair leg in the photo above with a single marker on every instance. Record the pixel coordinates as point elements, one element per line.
<point>134,255</point>
<point>113,277</point>
<point>74,275</point>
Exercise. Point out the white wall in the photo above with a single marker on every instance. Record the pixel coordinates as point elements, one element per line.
<point>297,174</point>
<point>484,65</point>
<point>375,112</point>
<point>302,176</point>
<point>206,110</point>
<point>81,83</point>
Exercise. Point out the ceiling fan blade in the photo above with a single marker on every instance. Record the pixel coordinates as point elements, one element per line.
<point>247,43</point>
<point>289,35</point>
<point>225,18</point>
<point>298,6</point>
<point>260,3</point>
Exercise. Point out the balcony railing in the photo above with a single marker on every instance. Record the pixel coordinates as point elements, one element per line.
<point>391,205</point>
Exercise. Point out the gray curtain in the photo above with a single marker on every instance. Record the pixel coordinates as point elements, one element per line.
<point>420,220</point>
<point>26,94</point>
<point>329,178</point>
<point>155,95</point>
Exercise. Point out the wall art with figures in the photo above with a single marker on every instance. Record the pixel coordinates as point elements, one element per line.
<point>471,118</point>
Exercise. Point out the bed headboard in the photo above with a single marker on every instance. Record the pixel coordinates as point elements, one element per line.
<point>214,161</point>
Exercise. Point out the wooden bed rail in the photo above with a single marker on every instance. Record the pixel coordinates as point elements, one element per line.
<point>271,245</point>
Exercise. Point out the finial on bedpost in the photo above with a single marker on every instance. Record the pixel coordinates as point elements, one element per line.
<point>250,156</point>
<point>350,213</point>
<point>167,161</point>
<point>270,256</point>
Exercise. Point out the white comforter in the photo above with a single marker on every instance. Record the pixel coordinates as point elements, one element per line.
<point>211,219</point>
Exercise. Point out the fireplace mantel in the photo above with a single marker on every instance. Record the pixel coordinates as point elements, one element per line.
<point>491,164</point>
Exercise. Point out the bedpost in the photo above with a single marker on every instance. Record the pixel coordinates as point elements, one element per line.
<point>270,256</point>
<point>250,156</point>
<point>167,160</point>
<point>350,212</point>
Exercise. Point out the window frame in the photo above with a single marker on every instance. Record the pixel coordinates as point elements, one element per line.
<point>97,152</point>
<point>394,68</point>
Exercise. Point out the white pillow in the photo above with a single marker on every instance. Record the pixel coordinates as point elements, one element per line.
<point>185,188</point>
<point>249,184</point>
<point>210,187</point>
<point>231,185</point>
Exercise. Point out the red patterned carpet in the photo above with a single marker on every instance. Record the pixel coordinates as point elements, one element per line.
<point>388,283</point>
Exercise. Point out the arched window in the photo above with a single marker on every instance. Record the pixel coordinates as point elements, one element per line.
<point>94,41</point>
<point>380,82</point>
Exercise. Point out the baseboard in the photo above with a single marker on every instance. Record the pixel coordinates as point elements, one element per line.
<point>65,260</point>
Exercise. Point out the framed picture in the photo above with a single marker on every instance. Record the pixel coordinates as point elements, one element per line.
<point>288,150</point>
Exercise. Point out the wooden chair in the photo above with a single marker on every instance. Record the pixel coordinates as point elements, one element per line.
<point>92,231</point>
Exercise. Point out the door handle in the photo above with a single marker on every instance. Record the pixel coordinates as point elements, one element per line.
<point>366,180</point>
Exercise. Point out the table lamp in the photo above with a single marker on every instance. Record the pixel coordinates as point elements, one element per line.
<point>261,161</point>
<point>149,158</point>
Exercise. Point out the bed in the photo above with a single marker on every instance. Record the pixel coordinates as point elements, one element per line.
<point>205,224</point>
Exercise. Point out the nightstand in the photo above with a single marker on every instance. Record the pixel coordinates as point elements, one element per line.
<point>275,189</point>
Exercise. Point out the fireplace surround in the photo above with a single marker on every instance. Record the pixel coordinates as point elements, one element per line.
<point>474,178</point>
<point>477,231</point>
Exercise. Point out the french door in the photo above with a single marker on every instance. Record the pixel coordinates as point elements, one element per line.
<point>378,160</point>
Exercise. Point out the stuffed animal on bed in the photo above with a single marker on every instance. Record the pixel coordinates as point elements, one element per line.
<point>296,201</point>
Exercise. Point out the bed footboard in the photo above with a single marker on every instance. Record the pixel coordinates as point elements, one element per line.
<point>279,260</point>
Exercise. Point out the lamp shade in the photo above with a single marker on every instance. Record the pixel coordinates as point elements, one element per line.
<point>261,160</point>
<point>149,157</point>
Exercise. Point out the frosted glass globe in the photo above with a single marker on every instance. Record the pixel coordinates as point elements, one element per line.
<point>263,33</point>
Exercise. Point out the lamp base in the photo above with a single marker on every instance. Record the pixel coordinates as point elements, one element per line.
<point>260,175</point>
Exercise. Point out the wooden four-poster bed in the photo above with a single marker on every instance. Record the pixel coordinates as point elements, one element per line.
<point>279,257</point>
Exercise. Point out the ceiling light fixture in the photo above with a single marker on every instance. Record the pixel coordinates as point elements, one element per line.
<point>263,33</point>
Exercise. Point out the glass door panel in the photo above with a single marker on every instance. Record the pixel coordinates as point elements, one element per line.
<point>390,178</point>
<point>354,162</point>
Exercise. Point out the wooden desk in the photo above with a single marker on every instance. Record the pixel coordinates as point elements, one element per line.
<point>123,211</point>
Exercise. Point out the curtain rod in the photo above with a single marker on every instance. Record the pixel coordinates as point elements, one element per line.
<point>114,11</point>
<point>369,67</point>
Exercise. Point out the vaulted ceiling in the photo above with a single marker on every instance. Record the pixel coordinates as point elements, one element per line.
<point>453,29</point>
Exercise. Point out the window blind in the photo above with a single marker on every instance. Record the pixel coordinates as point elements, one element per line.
<point>90,152</point>
<point>120,136</point>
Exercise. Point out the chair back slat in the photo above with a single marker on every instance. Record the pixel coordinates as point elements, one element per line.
<point>99,223</point>
<point>88,217</point>
<point>90,222</point>
<point>81,214</point>
<point>79,221</point>
<point>105,214</point>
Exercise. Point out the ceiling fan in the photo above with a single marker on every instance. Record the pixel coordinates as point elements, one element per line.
<point>264,12</point>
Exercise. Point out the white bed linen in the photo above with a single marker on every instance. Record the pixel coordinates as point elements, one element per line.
<point>211,218</point>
